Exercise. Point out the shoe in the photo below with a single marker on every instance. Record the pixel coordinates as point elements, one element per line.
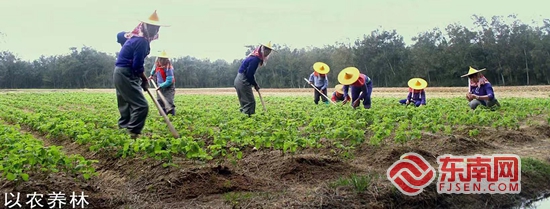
<point>133,135</point>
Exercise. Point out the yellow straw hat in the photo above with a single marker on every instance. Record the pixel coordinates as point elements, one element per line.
<point>321,68</point>
<point>269,46</point>
<point>472,71</point>
<point>154,20</point>
<point>163,54</point>
<point>339,88</point>
<point>348,75</point>
<point>417,83</point>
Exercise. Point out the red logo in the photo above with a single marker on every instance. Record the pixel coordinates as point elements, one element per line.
<point>411,174</point>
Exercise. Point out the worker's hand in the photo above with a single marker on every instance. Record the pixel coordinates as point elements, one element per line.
<point>257,87</point>
<point>158,88</point>
<point>408,101</point>
<point>311,83</point>
<point>150,77</point>
<point>469,96</point>
<point>144,84</point>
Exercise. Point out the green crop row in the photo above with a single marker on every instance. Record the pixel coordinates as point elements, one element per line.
<point>22,154</point>
<point>212,127</point>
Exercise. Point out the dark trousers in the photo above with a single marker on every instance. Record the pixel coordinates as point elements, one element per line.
<point>317,95</point>
<point>132,105</point>
<point>245,94</point>
<point>169,93</point>
<point>362,93</point>
<point>416,103</point>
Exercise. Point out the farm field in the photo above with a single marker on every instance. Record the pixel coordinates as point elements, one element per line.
<point>306,156</point>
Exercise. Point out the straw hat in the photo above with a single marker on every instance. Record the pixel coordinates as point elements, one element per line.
<point>472,71</point>
<point>339,88</point>
<point>154,20</point>
<point>417,83</point>
<point>268,45</point>
<point>348,75</point>
<point>321,68</point>
<point>163,54</point>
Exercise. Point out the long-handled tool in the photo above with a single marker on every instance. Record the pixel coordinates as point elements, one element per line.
<point>319,91</point>
<point>261,99</point>
<point>166,104</point>
<point>170,126</point>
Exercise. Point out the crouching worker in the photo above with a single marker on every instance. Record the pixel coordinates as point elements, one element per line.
<point>417,95</point>
<point>481,91</point>
<point>338,94</point>
<point>360,85</point>
<point>164,72</point>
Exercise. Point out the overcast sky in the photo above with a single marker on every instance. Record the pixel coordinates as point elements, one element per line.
<point>219,29</point>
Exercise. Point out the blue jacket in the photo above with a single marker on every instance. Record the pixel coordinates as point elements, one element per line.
<point>318,81</point>
<point>133,54</point>
<point>249,67</point>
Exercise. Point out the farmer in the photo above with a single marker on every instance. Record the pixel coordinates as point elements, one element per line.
<point>129,75</point>
<point>417,95</point>
<point>359,83</point>
<point>481,91</point>
<point>164,72</point>
<point>319,79</point>
<point>245,79</point>
<point>338,94</point>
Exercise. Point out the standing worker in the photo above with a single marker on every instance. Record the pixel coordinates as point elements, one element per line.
<point>129,75</point>
<point>164,72</point>
<point>319,79</point>
<point>245,79</point>
<point>350,77</point>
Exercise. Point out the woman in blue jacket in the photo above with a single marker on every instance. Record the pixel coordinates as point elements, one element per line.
<point>129,75</point>
<point>245,79</point>
<point>481,91</point>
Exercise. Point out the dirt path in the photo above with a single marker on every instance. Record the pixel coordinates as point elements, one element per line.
<point>397,92</point>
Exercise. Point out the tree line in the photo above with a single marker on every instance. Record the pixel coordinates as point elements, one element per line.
<point>513,53</point>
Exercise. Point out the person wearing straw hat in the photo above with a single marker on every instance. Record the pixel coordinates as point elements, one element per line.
<point>417,95</point>
<point>338,94</point>
<point>129,75</point>
<point>319,79</point>
<point>481,91</point>
<point>164,72</point>
<point>245,79</point>
<point>360,85</point>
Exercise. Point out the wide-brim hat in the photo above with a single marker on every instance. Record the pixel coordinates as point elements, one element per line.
<point>472,71</point>
<point>154,20</point>
<point>268,45</point>
<point>339,88</point>
<point>163,54</point>
<point>321,68</point>
<point>417,83</point>
<point>348,75</point>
